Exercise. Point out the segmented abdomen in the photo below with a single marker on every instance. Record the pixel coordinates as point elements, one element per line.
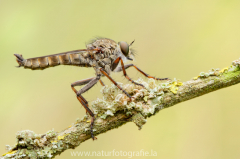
<point>77,59</point>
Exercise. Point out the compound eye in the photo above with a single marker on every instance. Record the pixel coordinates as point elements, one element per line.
<point>124,47</point>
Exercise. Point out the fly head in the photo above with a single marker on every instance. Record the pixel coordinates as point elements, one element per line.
<point>124,47</point>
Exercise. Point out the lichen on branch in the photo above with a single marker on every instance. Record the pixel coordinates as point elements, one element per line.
<point>116,109</point>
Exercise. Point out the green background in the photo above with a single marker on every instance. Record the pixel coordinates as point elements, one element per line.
<point>173,39</point>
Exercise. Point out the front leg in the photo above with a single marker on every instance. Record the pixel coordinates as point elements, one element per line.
<point>118,69</point>
<point>114,82</point>
<point>101,82</point>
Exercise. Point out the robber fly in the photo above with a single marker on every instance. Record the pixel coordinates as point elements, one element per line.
<point>102,54</point>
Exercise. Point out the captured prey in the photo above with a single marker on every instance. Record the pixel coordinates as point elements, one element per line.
<point>103,54</point>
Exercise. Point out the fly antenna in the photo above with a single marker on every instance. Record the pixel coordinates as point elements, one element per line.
<point>131,43</point>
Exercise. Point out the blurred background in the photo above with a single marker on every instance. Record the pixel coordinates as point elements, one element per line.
<point>175,39</point>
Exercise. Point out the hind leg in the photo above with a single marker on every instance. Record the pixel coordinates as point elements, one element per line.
<point>90,82</point>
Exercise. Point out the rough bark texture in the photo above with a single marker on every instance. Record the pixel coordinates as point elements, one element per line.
<point>115,109</point>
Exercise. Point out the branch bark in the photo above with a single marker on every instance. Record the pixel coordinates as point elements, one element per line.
<point>115,109</point>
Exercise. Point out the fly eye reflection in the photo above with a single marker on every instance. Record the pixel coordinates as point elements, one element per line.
<point>124,47</point>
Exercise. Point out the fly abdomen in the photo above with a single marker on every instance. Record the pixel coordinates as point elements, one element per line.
<point>64,59</point>
<point>35,63</point>
<point>53,60</point>
<point>43,62</point>
<point>75,59</point>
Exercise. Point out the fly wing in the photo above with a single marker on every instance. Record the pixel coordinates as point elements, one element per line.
<point>64,53</point>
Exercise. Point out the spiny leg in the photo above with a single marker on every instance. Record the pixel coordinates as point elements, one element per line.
<point>85,105</point>
<point>124,71</point>
<point>79,83</point>
<point>118,69</point>
<point>90,82</point>
<point>115,83</point>
<point>89,85</point>
<point>101,82</point>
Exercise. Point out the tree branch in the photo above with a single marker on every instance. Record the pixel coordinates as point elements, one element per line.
<point>115,109</point>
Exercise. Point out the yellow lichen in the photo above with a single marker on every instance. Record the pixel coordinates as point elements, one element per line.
<point>223,70</point>
<point>60,137</point>
<point>179,84</point>
<point>176,83</point>
<point>88,121</point>
<point>70,126</point>
<point>174,89</point>
<point>10,152</point>
<point>196,77</point>
<point>145,98</point>
<point>53,141</point>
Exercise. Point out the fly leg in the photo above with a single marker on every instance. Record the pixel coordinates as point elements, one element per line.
<point>123,68</point>
<point>115,83</point>
<point>80,98</point>
<point>90,82</point>
<point>118,69</point>
<point>101,82</point>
